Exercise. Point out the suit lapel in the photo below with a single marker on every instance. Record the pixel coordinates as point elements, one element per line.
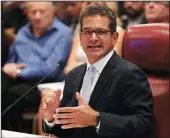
<point>77,84</point>
<point>102,81</point>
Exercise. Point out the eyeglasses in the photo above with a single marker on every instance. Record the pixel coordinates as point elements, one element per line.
<point>101,33</point>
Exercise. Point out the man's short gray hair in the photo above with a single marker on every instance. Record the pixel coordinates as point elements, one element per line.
<point>99,10</point>
<point>23,6</point>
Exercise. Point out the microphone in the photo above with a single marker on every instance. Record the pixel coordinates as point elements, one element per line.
<point>58,65</point>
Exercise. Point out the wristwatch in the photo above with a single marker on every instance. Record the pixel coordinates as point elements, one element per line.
<point>18,71</point>
<point>98,119</point>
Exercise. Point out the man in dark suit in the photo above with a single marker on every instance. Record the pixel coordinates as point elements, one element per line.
<point>118,103</point>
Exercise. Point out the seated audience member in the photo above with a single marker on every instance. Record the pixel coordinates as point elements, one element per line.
<point>4,46</point>
<point>38,47</point>
<point>157,12</point>
<point>134,13</point>
<point>15,17</point>
<point>61,12</point>
<point>114,7</point>
<point>77,55</point>
<point>73,9</point>
<point>8,34</point>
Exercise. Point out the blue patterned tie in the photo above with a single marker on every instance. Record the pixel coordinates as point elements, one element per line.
<point>87,84</point>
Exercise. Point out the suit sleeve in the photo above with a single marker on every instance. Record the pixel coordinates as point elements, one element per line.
<point>137,118</point>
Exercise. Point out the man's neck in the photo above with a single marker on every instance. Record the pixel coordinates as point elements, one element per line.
<point>37,33</point>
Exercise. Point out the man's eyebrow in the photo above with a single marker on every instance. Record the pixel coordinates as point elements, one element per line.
<point>94,29</point>
<point>86,28</point>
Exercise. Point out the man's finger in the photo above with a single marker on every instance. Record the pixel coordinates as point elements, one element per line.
<point>58,92</point>
<point>20,66</point>
<point>80,99</point>
<point>49,100</point>
<point>44,106</point>
<point>68,126</point>
<point>67,109</point>
<point>65,121</point>
<point>57,98</point>
<point>64,115</point>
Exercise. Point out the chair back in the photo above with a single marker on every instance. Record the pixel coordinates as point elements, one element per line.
<point>147,46</point>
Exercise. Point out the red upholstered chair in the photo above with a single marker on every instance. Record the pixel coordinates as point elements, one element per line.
<point>148,47</point>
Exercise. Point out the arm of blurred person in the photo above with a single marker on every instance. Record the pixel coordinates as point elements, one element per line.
<point>72,62</point>
<point>118,46</point>
<point>11,69</point>
<point>61,52</point>
<point>11,54</point>
<point>13,5</point>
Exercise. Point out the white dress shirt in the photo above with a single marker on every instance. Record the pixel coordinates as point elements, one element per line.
<point>99,66</point>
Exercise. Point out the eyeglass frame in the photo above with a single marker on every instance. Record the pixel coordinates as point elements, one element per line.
<point>94,31</point>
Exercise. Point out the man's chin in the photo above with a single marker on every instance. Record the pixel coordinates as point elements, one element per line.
<point>94,55</point>
<point>37,26</point>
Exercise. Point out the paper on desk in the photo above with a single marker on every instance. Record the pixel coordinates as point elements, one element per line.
<point>54,86</point>
<point>13,134</point>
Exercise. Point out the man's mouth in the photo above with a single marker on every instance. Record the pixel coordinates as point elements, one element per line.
<point>94,46</point>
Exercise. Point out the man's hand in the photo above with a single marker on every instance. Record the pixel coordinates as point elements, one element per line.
<point>49,103</point>
<point>73,117</point>
<point>11,69</point>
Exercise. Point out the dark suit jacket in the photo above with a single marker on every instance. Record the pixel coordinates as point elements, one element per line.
<point>123,97</point>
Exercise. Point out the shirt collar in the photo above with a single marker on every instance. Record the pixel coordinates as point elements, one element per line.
<point>99,65</point>
<point>55,24</point>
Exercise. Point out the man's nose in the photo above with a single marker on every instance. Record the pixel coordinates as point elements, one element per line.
<point>37,15</point>
<point>150,4</point>
<point>94,36</point>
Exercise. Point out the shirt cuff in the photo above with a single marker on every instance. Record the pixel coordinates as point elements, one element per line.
<point>98,127</point>
<point>50,125</point>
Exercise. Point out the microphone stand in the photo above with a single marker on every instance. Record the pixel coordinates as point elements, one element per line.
<point>4,112</point>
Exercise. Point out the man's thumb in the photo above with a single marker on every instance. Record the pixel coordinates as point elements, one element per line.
<point>58,92</point>
<point>80,99</point>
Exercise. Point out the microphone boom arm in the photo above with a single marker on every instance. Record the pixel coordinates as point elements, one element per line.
<point>4,112</point>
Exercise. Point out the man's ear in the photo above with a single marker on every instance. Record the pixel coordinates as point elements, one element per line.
<point>80,37</point>
<point>54,9</point>
<point>115,37</point>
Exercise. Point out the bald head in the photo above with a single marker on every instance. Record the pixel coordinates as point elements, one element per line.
<point>28,4</point>
<point>40,14</point>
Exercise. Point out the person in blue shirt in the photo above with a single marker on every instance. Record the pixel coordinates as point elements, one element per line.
<point>35,52</point>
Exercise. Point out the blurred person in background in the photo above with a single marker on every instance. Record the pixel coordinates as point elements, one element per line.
<point>37,48</point>
<point>14,16</point>
<point>61,13</point>
<point>157,12</point>
<point>4,47</point>
<point>134,13</point>
<point>73,10</point>
<point>4,40</point>
<point>77,55</point>
<point>114,7</point>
